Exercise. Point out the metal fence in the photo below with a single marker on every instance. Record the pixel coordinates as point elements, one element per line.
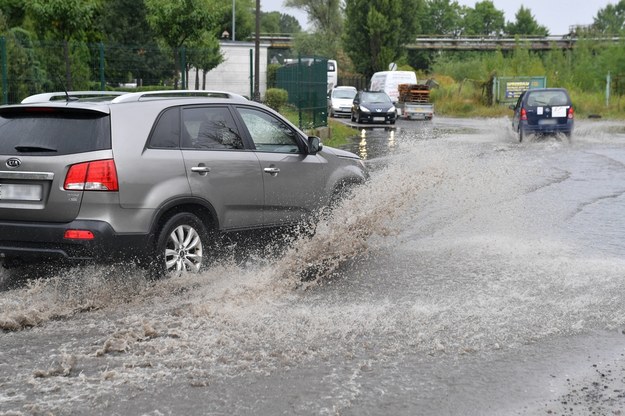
<point>306,81</point>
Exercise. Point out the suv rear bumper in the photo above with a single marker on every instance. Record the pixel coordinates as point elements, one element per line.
<point>47,241</point>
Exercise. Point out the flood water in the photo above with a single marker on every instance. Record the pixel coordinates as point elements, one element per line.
<point>473,275</point>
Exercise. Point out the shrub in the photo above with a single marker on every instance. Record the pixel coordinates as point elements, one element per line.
<point>276,98</point>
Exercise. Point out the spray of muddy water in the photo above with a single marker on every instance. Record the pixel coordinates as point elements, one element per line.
<point>341,235</point>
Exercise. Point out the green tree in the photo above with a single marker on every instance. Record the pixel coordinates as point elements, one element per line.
<point>376,30</point>
<point>289,24</point>
<point>203,54</point>
<point>441,17</point>
<point>64,20</point>
<point>326,17</point>
<point>484,19</point>
<point>525,24</point>
<point>276,22</point>
<point>177,21</point>
<point>13,11</point>
<point>611,19</point>
<point>244,23</point>
<point>131,49</point>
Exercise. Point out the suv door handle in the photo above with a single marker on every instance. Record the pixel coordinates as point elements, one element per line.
<point>272,171</point>
<point>202,170</point>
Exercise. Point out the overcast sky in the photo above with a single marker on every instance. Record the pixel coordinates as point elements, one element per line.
<point>556,15</point>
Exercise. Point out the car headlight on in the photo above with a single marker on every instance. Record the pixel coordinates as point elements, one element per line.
<point>364,109</point>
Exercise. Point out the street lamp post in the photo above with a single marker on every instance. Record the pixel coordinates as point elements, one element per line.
<point>233,20</point>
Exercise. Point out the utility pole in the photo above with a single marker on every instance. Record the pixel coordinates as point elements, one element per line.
<point>257,55</point>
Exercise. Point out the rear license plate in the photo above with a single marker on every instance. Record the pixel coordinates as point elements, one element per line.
<point>378,119</point>
<point>547,121</point>
<point>21,192</point>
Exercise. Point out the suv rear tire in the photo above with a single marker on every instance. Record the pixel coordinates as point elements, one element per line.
<point>180,245</point>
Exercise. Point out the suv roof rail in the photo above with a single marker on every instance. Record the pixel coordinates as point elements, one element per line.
<point>156,95</point>
<point>71,96</point>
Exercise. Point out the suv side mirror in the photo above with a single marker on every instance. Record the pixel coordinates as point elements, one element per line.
<point>314,145</point>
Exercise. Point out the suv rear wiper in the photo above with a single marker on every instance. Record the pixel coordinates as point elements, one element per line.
<point>27,149</point>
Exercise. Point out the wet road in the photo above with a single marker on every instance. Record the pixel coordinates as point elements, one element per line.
<point>473,275</point>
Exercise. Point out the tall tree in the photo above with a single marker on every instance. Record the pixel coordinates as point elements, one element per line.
<point>441,17</point>
<point>484,19</point>
<point>204,54</point>
<point>375,31</point>
<point>325,15</point>
<point>611,19</point>
<point>13,12</point>
<point>177,21</point>
<point>525,24</point>
<point>244,13</point>
<point>63,20</point>
<point>130,44</point>
<point>276,22</point>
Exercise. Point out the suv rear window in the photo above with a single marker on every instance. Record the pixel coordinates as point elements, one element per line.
<point>45,131</point>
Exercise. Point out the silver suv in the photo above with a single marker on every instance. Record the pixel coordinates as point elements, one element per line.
<point>153,176</point>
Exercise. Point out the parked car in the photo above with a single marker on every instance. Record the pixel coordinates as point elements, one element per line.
<point>340,101</point>
<point>373,107</point>
<point>153,176</point>
<point>543,111</point>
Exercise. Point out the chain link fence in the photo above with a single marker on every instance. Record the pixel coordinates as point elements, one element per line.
<point>30,67</point>
<point>306,81</point>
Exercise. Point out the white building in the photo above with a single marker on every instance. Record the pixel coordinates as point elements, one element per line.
<point>234,73</point>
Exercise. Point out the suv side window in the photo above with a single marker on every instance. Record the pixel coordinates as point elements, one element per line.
<point>210,128</point>
<point>166,132</point>
<point>268,133</point>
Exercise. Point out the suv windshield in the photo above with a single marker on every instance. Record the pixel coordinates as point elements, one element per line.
<point>50,130</point>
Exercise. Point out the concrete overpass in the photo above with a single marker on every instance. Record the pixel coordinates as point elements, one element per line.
<point>486,43</point>
<point>467,43</point>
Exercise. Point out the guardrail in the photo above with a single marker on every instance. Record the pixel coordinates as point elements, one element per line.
<point>503,43</point>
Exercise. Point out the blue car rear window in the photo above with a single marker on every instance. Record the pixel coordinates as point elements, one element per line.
<point>547,98</point>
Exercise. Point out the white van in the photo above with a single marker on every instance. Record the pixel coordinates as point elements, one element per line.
<point>388,81</point>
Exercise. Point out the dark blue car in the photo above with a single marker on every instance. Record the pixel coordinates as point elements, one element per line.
<point>373,107</point>
<point>543,111</point>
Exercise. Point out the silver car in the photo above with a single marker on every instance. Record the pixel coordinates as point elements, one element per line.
<point>153,176</point>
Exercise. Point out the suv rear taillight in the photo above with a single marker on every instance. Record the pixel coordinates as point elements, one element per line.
<point>571,113</point>
<point>99,175</point>
<point>523,114</point>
